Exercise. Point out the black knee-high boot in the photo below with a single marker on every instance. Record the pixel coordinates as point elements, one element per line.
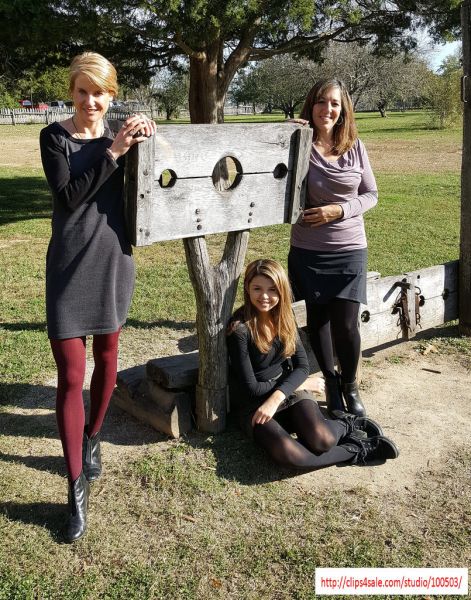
<point>78,505</point>
<point>333,395</point>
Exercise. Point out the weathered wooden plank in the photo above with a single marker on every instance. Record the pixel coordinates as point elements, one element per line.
<point>174,372</point>
<point>167,412</point>
<point>192,151</point>
<point>273,161</point>
<point>192,209</point>
<point>465,236</point>
<point>438,289</point>
<point>300,162</point>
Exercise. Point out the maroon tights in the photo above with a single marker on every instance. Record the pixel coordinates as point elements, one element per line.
<point>70,359</point>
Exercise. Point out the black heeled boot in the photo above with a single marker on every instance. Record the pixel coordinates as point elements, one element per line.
<point>91,456</point>
<point>78,505</point>
<point>352,399</point>
<point>333,395</point>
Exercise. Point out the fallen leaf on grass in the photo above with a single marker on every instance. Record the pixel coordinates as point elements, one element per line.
<point>215,583</point>
<point>189,518</point>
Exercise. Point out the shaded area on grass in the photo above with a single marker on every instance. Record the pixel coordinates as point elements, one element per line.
<point>41,326</point>
<point>23,198</point>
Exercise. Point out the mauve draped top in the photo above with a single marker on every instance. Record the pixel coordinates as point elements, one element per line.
<point>348,181</point>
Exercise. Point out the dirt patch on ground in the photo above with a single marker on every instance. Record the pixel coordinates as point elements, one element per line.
<point>422,402</point>
<point>401,156</point>
<point>20,151</point>
<point>412,156</point>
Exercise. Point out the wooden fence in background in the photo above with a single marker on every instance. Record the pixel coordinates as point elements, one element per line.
<point>23,116</point>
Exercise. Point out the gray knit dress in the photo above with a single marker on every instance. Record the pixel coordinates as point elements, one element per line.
<point>89,265</point>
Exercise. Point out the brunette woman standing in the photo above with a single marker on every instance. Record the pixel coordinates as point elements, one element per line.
<point>328,257</point>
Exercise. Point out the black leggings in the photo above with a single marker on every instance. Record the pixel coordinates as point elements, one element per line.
<point>337,321</point>
<point>316,446</point>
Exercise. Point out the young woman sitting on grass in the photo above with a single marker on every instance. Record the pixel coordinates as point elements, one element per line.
<point>271,390</point>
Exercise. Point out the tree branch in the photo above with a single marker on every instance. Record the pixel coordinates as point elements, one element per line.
<point>197,54</point>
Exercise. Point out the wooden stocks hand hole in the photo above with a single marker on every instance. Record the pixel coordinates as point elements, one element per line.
<point>167,178</point>
<point>280,171</point>
<point>227,174</point>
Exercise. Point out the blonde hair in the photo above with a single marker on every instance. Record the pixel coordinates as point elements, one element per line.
<point>97,68</point>
<point>282,314</point>
<point>345,130</point>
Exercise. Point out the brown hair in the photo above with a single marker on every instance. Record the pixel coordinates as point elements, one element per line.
<point>345,130</point>
<point>282,313</point>
<point>97,68</point>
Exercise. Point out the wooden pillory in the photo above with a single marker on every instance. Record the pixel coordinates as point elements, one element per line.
<point>190,181</point>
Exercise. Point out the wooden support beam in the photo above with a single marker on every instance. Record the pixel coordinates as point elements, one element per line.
<point>465,240</point>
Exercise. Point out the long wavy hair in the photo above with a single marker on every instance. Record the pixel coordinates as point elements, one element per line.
<point>282,314</point>
<point>345,130</point>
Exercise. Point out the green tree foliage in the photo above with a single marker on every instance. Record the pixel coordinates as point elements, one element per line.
<point>216,37</point>
<point>7,100</point>
<point>280,82</point>
<point>171,92</point>
<point>50,84</point>
<point>443,93</point>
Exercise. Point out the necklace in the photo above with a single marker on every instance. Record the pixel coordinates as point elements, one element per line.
<point>81,135</point>
<point>327,147</point>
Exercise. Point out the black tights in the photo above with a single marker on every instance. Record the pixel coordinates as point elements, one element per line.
<point>337,321</point>
<point>318,437</point>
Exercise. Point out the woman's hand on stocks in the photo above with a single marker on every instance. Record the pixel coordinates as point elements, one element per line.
<point>266,410</point>
<point>314,217</point>
<point>298,121</point>
<point>134,130</point>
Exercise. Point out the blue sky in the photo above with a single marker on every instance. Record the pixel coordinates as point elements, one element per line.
<point>438,53</point>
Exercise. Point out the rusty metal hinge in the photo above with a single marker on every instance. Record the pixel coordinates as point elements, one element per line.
<point>407,307</point>
<point>464,88</point>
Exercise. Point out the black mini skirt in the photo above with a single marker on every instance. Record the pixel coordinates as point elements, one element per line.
<point>318,277</point>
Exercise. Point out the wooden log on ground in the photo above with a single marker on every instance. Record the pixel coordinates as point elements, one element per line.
<point>166,411</point>
<point>174,372</point>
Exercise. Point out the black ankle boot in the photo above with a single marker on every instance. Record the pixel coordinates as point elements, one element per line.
<point>371,451</point>
<point>91,456</point>
<point>352,399</point>
<point>355,424</point>
<point>78,506</point>
<point>333,395</point>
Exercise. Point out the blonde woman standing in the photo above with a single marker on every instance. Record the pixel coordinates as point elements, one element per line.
<point>89,265</point>
<point>271,392</point>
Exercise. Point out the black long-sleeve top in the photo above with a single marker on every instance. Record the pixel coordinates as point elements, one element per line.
<point>254,375</point>
<point>89,265</point>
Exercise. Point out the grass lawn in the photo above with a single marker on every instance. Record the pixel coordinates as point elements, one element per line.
<point>208,517</point>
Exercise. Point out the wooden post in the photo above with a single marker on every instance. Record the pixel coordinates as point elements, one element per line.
<point>215,290</point>
<point>465,239</point>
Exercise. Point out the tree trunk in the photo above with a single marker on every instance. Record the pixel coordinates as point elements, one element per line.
<point>382,108</point>
<point>465,241</point>
<point>206,97</point>
<point>215,290</point>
